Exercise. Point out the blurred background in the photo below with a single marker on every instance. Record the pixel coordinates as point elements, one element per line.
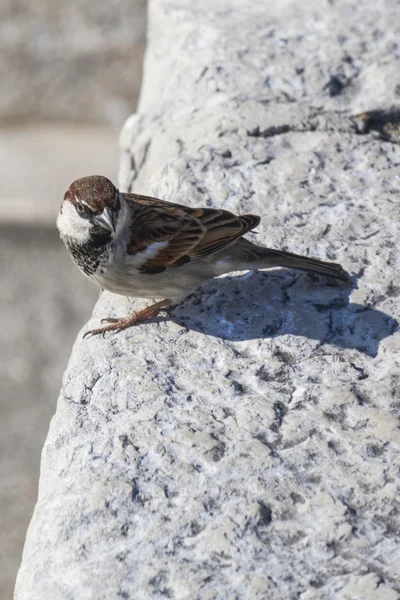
<point>70,75</point>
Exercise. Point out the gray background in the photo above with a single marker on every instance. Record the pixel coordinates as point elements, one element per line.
<point>70,76</point>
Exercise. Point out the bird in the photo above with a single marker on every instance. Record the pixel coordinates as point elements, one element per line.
<point>144,247</point>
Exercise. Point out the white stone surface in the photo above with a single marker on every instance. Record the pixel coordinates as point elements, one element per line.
<point>248,448</point>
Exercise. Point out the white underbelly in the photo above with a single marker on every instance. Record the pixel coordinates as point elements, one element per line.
<point>172,283</point>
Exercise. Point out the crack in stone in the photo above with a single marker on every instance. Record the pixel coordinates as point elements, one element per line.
<point>136,169</point>
<point>384,123</point>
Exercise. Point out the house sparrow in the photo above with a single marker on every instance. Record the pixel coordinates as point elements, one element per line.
<point>140,246</point>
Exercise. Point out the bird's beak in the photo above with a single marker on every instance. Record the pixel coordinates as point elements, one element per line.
<point>106,219</point>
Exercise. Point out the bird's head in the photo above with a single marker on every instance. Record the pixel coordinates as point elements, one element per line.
<point>89,210</point>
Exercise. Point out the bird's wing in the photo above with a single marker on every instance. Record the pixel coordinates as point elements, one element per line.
<point>167,235</point>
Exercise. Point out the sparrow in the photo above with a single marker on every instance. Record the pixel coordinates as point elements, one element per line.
<point>144,247</point>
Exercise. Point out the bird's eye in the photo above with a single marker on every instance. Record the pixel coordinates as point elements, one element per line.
<point>81,209</point>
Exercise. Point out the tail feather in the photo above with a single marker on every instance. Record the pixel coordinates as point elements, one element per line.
<point>267,258</point>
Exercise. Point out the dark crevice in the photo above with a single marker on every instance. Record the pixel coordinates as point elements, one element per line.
<point>384,123</point>
<point>269,132</point>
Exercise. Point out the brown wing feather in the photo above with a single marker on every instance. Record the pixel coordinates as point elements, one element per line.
<point>192,233</point>
<point>223,233</point>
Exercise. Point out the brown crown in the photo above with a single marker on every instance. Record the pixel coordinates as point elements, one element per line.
<point>95,191</point>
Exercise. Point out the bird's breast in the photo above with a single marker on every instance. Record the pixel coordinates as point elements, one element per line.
<point>87,257</point>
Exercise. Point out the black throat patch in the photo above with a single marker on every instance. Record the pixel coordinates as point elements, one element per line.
<point>88,256</point>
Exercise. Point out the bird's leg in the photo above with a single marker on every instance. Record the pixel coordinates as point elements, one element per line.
<point>136,317</point>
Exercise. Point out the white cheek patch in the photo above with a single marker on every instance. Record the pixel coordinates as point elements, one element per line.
<point>70,224</point>
<point>138,260</point>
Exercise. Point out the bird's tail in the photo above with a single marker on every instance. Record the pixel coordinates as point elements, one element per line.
<point>265,258</point>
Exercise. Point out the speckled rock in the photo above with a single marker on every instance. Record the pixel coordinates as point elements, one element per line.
<point>249,446</point>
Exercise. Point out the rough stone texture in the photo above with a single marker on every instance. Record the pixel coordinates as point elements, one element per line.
<point>75,60</point>
<point>248,448</point>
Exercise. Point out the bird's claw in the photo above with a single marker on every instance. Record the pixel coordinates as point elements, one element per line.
<point>117,325</point>
<point>92,333</point>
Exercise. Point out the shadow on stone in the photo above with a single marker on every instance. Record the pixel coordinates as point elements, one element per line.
<point>268,305</point>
